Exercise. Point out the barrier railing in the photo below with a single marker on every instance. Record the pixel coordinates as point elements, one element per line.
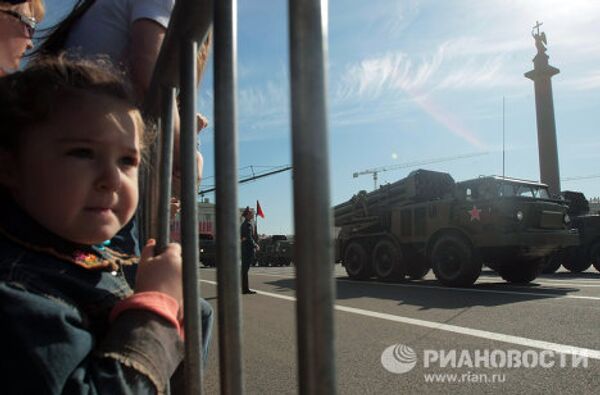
<point>176,69</point>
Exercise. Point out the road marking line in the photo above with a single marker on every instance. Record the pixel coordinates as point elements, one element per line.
<point>540,294</point>
<point>487,278</point>
<point>544,280</point>
<point>546,295</point>
<point>544,283</point>
<point>522,341</point>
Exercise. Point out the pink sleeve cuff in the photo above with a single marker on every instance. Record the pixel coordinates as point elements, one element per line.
<point>156,302</point>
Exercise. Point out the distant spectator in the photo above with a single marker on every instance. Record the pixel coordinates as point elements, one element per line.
<point>18,20</point>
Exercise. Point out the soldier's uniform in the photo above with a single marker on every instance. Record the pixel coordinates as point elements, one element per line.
<point>248,249</point>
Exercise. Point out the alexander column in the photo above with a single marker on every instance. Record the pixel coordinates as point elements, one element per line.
<point>544,109</point>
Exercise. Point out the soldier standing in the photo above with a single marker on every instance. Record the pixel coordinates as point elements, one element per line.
<point>249,247</point>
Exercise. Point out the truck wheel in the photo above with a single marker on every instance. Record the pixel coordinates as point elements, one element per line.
<point>577,260</point>
<point>357,262</point>
<point>388,263</point>
<point>522,272</point>
<point>454,262</point>
<point>595,255</point>
<point>553,261</point>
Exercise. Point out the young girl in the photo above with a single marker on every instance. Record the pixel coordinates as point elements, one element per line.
<point>71,141</point>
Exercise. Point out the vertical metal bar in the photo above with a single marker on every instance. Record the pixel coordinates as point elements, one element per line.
<point>313,251</point>
<point>167,98</point>
<point>226,159</point>
<point>189,219</point>
<point>166,167</point>
<point>149,185</point>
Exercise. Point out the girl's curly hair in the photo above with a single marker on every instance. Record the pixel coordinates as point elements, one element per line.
<point>31,97</point>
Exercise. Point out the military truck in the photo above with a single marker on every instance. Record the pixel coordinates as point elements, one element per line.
<point>208,255</point>
<point>578,258</point>
<point>427,220</point>
<point>276,250</point>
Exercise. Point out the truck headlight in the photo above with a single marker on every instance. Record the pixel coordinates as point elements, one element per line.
<point>201,250</point>
<point>520,215</point>
<point>566,218</point>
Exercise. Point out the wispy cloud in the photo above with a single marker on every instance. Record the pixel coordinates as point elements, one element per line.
<point>403,12</point>
<point>473,74</point>
<point>389,73</point>
<point>456,64</point>
<point>588,82</point>
<point>262,109</point>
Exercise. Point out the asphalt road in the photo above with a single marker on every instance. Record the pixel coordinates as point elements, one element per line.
<point>480,333</point>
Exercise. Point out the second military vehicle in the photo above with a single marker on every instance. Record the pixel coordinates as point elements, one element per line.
<point>579,258</point>
<point>208,254</point>
<point>276,250</point>
<point>427,220</point>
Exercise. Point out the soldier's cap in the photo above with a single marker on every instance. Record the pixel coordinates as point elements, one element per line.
<point>246,211</point>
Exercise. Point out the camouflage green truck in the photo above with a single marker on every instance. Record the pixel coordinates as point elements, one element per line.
<point>276,250</point>
<point>207,246</point>
<point>427,220</point>
<point>578,258</point>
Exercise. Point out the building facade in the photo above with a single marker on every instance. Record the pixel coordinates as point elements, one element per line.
<point>206,220</point>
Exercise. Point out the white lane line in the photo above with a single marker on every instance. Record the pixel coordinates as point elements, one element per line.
<point>273,275</point>
<point>571,283</point>
<point>487,279</point>
<point>517,340</point>
<point>544,283</point>
<point>540,294</point>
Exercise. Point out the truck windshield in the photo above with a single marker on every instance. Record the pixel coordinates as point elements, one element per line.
<point>523,190</point>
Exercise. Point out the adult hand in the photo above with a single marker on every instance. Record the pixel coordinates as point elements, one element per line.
<point>175,207</point>
<point>201,121</point>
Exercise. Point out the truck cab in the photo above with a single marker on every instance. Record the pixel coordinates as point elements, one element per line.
<point>512,220</point>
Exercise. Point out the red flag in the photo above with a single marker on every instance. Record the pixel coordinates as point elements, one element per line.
<point>259,211</point>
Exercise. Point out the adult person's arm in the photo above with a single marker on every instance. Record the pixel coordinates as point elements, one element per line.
<point>147,37</point>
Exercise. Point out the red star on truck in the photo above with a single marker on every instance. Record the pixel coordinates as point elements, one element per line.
<point>475,213</point>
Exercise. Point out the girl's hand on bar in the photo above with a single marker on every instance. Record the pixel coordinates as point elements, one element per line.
<point>160,273</point>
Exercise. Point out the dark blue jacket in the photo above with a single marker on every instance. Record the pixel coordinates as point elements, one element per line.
<point>55,337</point>
<point>247,237</point>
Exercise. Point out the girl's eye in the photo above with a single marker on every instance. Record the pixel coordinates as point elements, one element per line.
<point>129,161</point>
<point>81,153</point>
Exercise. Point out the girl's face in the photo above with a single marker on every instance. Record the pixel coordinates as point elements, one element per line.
<point>77,175</point>
<point>14,36</point>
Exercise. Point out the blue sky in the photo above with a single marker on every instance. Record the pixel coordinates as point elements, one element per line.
<point>415,80</point>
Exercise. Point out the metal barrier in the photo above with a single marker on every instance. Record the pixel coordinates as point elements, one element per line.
<point>190,23</point>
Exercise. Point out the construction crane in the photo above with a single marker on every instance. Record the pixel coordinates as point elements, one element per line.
<point>375,171</point>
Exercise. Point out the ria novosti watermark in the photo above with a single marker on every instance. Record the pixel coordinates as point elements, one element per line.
<point>400,358</point>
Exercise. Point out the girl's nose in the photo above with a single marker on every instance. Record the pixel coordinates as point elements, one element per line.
<point>109,178</point>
